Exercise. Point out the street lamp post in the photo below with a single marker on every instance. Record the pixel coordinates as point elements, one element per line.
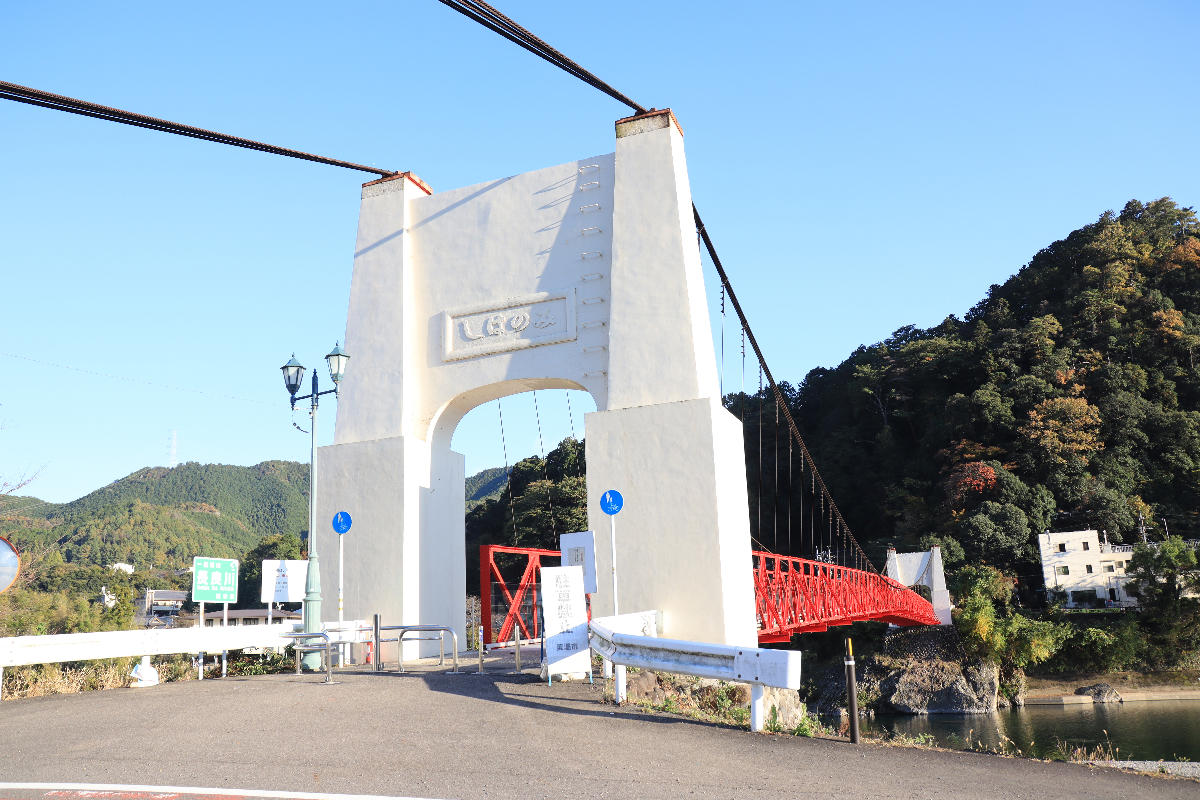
<point>293,377</point>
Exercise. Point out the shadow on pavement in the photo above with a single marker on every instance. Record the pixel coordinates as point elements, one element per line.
<point>527,690</point>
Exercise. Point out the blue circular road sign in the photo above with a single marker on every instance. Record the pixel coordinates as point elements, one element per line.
<point>611,502</point>
<point>341,522</point>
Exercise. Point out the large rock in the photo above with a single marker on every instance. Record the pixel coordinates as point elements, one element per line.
<point>644,685</point>
<point>916,671</point>
<point>1101,693</point>
<point>942,687</point>
<point>789,711</point>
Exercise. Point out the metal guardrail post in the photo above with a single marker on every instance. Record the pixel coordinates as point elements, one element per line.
<point>481,654</point>
<point>757,696</point>
<point>620,695</point>
<point>454,641</point>
<point>517,646</point>
<point>376,652</point>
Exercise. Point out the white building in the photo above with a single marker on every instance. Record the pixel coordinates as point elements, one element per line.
<point>1088,571</point>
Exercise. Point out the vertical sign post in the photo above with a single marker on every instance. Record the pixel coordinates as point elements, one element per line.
<point>200,624</point>
<point>611,503</point>
<point>214,580</point>
<point>341,524</point>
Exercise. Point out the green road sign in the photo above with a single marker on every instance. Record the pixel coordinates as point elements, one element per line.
<point>214,580</point>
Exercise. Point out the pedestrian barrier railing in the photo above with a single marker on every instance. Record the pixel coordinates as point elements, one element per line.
<point>752,665</point>
<point>402,631</point>
<point>344,634</point>
<point>326,648</point>
<point>18,651</point>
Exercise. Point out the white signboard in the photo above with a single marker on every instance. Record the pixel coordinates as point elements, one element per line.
<point>565,611</point>
<point>283,581</point>
<point>579,550</point>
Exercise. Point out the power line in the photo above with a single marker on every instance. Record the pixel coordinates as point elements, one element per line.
<point>37,97</point>
<point>138,381</point>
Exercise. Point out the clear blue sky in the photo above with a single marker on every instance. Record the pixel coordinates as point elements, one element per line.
<point>861,166</point>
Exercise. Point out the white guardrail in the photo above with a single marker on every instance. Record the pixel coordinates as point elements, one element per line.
<point>17,651</point>
<point>630,640</point>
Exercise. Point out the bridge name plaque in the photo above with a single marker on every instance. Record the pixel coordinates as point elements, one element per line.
<point>507,325</point>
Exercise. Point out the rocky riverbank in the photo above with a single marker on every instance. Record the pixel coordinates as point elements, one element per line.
<point>925,671</point>
<point>917,671</point>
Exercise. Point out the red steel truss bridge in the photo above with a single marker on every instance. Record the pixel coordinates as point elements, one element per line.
<point>791,595</point>
<point>797,595</point>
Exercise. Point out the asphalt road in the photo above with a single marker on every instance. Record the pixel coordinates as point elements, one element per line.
<point>433,735</point>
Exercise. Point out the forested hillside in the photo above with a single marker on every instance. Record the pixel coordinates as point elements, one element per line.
<point>1068,397</point>
<point>542,499</point>
<point>159,518</point>
<point>486,484</point>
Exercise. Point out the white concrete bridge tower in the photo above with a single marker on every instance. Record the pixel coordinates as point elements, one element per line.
<point>585,275</point>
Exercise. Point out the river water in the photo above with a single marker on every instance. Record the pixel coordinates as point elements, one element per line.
<point>1152,730</point>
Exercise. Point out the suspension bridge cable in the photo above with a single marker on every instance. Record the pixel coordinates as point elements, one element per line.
<point>545,464</point>
<point>787,412</point>
<point>775,462</point>
<point>722,343</point>
<point>512,508</point>
<point>740,415</point>
<point>790,495</point>
<point>37,97</point>
<point>570,414</point>
<point>494,20</point>
<point>760,450</point>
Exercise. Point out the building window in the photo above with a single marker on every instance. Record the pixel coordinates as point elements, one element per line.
<point>1062,570</point>
<point>1089,569</point>
<point>1062,547</point>
<point>1110,568</point>
<point>1087,546</point>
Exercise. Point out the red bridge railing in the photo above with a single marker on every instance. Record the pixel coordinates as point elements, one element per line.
<point>796,595</point>
<point>518,603</point>
<point>791,595</point>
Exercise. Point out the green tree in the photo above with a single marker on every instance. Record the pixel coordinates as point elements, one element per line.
<point>1166,580</point>
<point>992,631</point>
<point>280,547</point>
